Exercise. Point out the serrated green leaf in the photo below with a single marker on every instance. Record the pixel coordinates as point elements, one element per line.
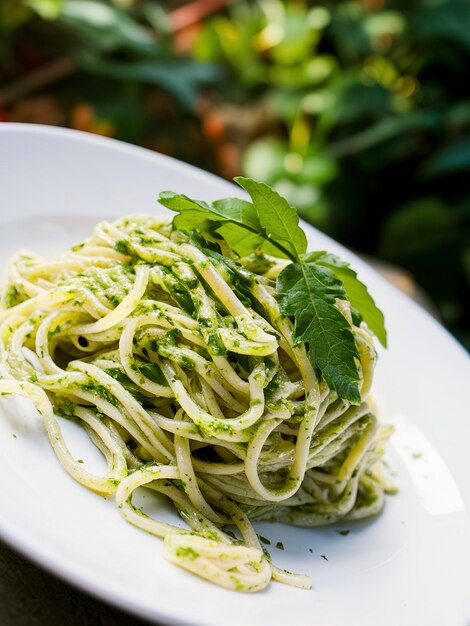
<point>192,214</point>
<point>308,293</point>
<point>194,220</point>
<point>238,211</point>
<point>240,239</point>
<point>227,209</point>
<point>308,289</point>
<point>357,294</point>
<point>278,219</point>
<point>237,235</point>
<point>179,202</point>
<point>245,242</point>
<point>235,219</point>
<point>230,217</point>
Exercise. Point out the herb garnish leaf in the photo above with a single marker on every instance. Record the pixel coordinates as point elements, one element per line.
<point>234,219</point>
<point>278,219</point>
<point>358,295</point>
<point>309,289</point>
<point>239,239</point>
<point>308,292</point>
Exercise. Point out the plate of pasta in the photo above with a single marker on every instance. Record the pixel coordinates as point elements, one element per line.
<point>202,397</point>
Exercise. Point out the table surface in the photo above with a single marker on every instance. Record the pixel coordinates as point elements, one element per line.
<point>31,597</point>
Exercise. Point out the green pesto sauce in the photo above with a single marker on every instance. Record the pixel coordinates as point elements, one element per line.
<point>100,391</point>
<point>15,294</point>
<point>218,427</point>
<point>54,332</point>
<point>238,584</point>
<point>186,553</point>
<point>153,372</point>
<point>123,247</point>
<point>215,345</point>
<point>186,362</point>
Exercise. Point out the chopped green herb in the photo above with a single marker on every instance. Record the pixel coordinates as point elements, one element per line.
<point>100,391</point>
<point>264,540</point>
<point>280,545</point>
<point>54,332</point>
<point>345,533</point>
<point>123,247</point>
<point>153,372</point>
<point>324,557</point>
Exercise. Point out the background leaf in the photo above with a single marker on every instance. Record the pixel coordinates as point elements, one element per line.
<point>454,158</point>
<point>47,9</point>
<point>104,25</point>
<point>180,78</point>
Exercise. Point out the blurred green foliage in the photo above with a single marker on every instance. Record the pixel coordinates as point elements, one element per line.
<point>105,40</point>
<point>122,77</point>
<point>358,111</point>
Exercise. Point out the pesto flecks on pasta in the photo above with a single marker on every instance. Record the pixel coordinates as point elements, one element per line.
<point>210,359</point>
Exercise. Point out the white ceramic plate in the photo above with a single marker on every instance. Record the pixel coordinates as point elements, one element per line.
<point>409,566</point>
